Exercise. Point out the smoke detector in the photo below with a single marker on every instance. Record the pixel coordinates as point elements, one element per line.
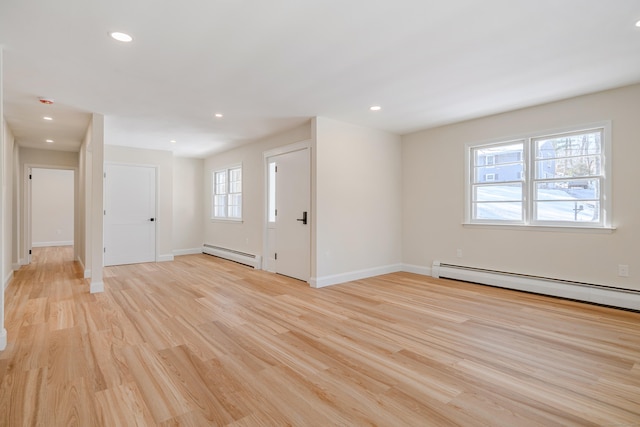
<point>46,101</point>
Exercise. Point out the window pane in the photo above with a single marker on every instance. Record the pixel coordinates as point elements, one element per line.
<point>235,180</point>
<point>574,211</point>
<point>498,163</point>
<point>582,144</point>
<point>575,189</point>
<point>235,174</point>
<point>235,212</point>
<point>499,211</point>
<point>234,187</point>
<point>272,192</point>
<point>568,167</point>
<point>234,199</point>
<point>235,206</point>
<point>220,201</point>
<point>498,154</point>
<point>221,182</point>
<point>498,193</point>
<point>499,173</point>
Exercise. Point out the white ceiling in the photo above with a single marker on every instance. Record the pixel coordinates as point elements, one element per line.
<point>271,65</point>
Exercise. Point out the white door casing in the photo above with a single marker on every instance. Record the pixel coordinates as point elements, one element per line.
<point>130,214</point>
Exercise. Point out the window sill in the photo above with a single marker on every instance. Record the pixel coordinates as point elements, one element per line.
<point>553,228</point>
<point>227,220</point>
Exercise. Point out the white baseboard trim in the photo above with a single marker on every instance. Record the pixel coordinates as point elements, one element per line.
<point>7,280</point>
<point>47,244</point>
<point>321,282</point>
<point>194,251</point>
<point>96,287</point>
<point>417,269</point>
<point>16,266</point>
<point>165,258</point>
<point>571,290</point>
<point>87,271</point>
<point>3,339</point>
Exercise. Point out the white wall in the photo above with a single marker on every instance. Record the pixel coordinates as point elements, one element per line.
<point>433,175</point>
<point>188,205</point>
<point>358,189</point>
<point>3,201</point>
<point>89,240</point>
<point>15,210</point>
<point>83,219</point>
<point>246,236</point>
<point>52,207</point>
<point>7,206</point>
<point>163,160</point>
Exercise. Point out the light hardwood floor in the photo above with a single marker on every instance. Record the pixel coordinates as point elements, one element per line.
<point>203,341</point>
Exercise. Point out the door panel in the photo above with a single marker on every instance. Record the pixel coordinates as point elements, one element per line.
<point>292,240</point>
<point>130,215</point>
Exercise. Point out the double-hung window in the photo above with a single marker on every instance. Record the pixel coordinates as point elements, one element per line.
<point>227,194</point>
<point>558,179</point>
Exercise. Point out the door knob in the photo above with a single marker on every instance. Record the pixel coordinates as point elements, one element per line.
<point>152,219</point>
<point>304,218</point>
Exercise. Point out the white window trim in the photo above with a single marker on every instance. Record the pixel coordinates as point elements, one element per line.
<point>605,224</point>
<point>213,189</point>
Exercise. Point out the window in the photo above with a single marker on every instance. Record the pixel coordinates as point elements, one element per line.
<point>272,212</point>
<point>555,180</point>
<point>227,194</point>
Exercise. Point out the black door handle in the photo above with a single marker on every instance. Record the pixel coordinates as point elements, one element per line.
<point>152,219</point>
<point>304,218</point>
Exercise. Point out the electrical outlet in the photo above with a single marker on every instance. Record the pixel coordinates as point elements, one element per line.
<point>459,253</point>
<point>623,270</point>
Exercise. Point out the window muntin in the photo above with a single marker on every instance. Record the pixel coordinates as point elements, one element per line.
<point>557,180</point>
<point>227,194</point>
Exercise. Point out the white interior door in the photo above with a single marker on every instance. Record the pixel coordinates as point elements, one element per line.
<point>130,214</point>
<point>292,225</point>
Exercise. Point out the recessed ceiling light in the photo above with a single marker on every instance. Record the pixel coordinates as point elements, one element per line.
<point>49,141</point>
<point>638,24</point>
<point>48,118</point>
<point>173,141</point>
<point>375,108</point>
<point>121,37</point>
<point>218,115</point>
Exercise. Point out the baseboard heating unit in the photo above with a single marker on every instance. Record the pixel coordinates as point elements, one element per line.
<point>598,294</point>
<point>251,260</point>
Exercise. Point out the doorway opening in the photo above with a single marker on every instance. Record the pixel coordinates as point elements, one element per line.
<point>52,208</point>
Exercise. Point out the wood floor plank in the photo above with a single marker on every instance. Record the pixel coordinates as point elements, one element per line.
<point>161,391</point>
<point>23,396</point>
<point>122,406</point>
<point>204,341</point>
<point>71,403</point>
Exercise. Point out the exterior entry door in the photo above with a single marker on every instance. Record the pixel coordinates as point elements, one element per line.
<point>130,214</point>
<point>292,219</point>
